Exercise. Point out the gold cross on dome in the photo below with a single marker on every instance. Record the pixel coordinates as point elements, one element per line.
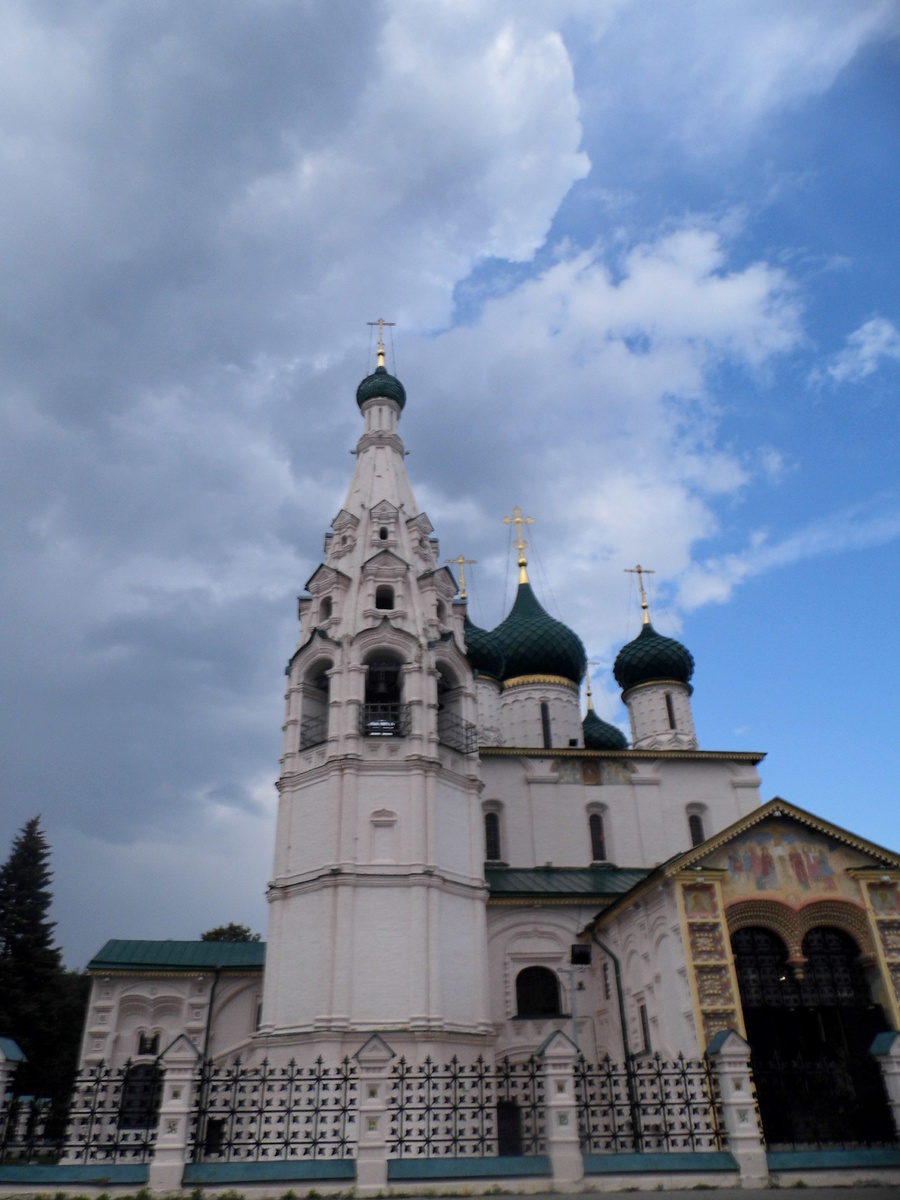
<point>641,572</point>
<point>520,544</point>
<point>381,323</point>
<point>462,563</point>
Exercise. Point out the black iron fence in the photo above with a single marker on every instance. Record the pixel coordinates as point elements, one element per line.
<point>254,1113</point>
<point>456,733</point>
<point>459,1111</point>
<point>313,731</point>
<point>384,720</point>
<point>112,1117</point>
<point>648,1104</point>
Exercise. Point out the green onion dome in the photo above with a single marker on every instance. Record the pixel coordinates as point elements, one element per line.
<point>380,383</point>
<point>600,735</point>
<point>652,657</point>
<point>483,650</point>
<point>535,644</point>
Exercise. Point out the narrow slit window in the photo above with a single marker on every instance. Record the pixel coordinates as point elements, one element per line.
<point>670,709</point>
<point>598,840</point>
<point>492,837</point>
<point>325,608</point>
<point>695,824</point>
<point>645,1028</point>
<point>545,724</point>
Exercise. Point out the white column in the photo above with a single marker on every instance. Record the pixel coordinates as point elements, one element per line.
<point>730,1055</point>
<point>374,1062</point>
<point>886,1049</point>
<point>558,1055</point>
<point>180,1064</point>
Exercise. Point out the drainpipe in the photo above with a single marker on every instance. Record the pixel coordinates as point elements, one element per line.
<point>626,1048</point>
<point>209,1012</point>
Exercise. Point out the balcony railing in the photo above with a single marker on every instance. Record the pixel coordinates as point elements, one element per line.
<point>456,733</point>
<point>313,731</point>
<point>384,720</point>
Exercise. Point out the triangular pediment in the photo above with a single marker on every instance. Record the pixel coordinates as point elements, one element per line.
<point>385,559</point>
<point>384,511</point>
<point>778,813</point>
<point>375,1052</point>
<point>421,523</point>
<point>324,577</point>
<point>344,521</point>
<point>444,580</point>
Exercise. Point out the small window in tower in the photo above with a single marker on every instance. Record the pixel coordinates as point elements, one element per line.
<point>598,840</point>
<point>695,824</point>
<point>382,533</point>
<point>441,611</point>
<point>670,709</point>
<point>545,724</point>
<point>326,608</point>
<point>645,1028</point>
<point>491,837</point>
<point>384,596</point>
<point>148,1043</point>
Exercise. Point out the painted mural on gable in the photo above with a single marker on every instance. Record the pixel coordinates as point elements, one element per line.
<point>788,859</point>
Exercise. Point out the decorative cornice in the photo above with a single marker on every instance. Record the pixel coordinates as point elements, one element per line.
<point>524,680</point>
<point>747,756</point>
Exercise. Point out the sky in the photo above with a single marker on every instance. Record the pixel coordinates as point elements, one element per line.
<point>643,261</point>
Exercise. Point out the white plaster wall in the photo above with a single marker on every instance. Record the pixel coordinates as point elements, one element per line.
<point>490,722</point>
<point>520,711</point>
<point>649,714</point>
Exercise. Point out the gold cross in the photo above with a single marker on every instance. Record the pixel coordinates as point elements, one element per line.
<point>462,562</point>
<point>520,544</point>
<point>591,662</point>
<point>381,324</point>
<point>641,572</point>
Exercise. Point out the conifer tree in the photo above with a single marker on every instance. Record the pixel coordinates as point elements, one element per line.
<point>41,1004</point>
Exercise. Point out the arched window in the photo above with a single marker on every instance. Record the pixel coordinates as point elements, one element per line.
<point>598,840</point>
<point>383,714</point>
<point>492,837</point>
<point>670,710</point>
<point>537,993</point>
<point>695,825</point>
<point>545,724</point>
<point>148,1043</point>
<point>384,596</point>
<point>383,533</point>
<point>441,611</point>
<point>326,608</point>
<point>315,693</point>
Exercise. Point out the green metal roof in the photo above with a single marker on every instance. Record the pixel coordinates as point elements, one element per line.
<point>536,644</point>
<point>557,882</point>
<point>11,1050</point>
<point>380,383</point>
<point>600,735</point>
<point>651,656</point>
<point>119,954</point>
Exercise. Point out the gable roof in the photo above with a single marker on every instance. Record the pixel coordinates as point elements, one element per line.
<point>123,955</point>
<point>776,807</point>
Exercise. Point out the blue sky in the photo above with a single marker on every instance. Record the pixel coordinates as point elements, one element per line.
<point>642,257</point>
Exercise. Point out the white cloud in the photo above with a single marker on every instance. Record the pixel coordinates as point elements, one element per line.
<point>875,340</point>
<point>714,580</point>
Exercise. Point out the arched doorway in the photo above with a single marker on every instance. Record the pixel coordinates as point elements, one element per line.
<point>810,1031</point>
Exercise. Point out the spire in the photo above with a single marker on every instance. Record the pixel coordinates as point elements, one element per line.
<point>591,662</point>
<point>641,572</point>
<point>520,544</point>
<point>462,562</point>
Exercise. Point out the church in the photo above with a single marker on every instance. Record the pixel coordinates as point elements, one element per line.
<point>465,864</point>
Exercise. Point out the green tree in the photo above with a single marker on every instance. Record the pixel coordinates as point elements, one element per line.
<point>231,932</point>
<point>41,1004</point>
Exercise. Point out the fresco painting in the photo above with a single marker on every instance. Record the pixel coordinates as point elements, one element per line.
<point>791,860</point>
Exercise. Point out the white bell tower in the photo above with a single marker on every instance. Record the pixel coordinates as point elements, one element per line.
<point>377,902</point>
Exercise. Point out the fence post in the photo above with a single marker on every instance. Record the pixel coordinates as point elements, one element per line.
<point>559,1055</point>
<point>179,1062</point>
<point>731,1056</point>
<point>373,1061</point>
<point>886,1049</point>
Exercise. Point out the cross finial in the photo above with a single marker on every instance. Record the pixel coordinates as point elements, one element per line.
<point>461,563</point>
<point>381,323</point>
<point>641,572</point>
<point>520,544</point>
<point>591,662</point>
